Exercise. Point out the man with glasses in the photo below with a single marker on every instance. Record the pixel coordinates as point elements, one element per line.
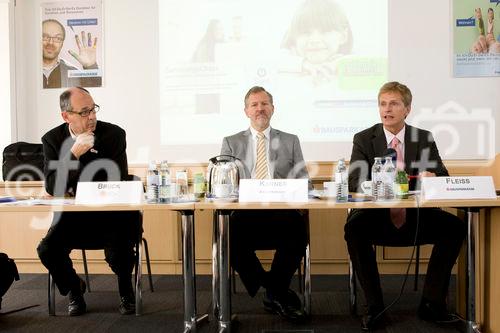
<point>85,149</point>
<point>56,70</point>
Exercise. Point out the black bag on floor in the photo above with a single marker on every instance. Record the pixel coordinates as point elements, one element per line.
<point>8,273</point>
<point>23,161</point>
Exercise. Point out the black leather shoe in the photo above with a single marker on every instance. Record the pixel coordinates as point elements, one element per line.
<point>372,320</point>
<point>293,299</point>
<point>127,305</point>
<point>77,306</point>
<point>287,306</point>
<point>435,312</point>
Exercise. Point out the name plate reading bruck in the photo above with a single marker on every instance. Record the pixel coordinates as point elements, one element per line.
<point>474,187</point>
<point>273,190</point>
<point>102,193</point>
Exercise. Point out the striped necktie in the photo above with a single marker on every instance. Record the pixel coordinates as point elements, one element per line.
<point>261,165</point>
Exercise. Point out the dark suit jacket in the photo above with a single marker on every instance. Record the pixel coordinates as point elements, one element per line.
<point>110,145</point>
<point>285,154</point>
<point>370,143</point>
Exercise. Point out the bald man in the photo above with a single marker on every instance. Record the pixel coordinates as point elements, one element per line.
<point>85,149</point>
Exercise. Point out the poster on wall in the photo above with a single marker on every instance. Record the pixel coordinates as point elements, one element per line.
<point>72,48</point>
<point>476,38</point>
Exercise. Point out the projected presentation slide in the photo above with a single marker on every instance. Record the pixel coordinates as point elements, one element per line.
<point>322,60</point>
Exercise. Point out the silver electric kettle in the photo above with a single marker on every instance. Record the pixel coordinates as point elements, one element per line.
<point>223,177</point>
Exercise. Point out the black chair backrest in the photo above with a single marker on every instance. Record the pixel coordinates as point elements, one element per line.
<point>23,161</point>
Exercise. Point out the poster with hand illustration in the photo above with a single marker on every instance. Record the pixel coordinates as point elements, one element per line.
<point>72,44</point>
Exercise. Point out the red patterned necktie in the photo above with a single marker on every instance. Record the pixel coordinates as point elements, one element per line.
<point>398,215</point>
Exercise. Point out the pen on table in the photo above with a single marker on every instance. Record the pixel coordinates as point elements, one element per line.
<point>413,176</point>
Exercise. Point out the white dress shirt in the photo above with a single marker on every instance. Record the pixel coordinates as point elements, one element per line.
<point>401,137</point>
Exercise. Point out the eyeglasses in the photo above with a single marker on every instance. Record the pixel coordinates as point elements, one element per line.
<point>54,39</point>
<point>86,113</point>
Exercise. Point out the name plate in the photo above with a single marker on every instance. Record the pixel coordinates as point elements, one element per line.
<point>102,193</point>
<point>273,190</point>
<point>473,187</point>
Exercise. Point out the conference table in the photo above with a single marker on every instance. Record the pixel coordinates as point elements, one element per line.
<point>221,260</point>
<point>50,205</point>
<point>220,248</point>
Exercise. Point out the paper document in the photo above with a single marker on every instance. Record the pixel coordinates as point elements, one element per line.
<point>44,202</point>
<point>7,199</point>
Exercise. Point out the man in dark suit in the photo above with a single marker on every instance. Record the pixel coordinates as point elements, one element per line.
<point>397,227</point>
<point>268,153</point>
<point>85,149</point>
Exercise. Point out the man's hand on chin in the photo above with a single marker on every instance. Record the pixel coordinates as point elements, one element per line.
<point>83,143</point>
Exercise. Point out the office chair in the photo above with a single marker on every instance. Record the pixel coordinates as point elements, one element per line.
<point>304,279</point>
<point>300,276</point>
<point>137,274</point>
<point>353,286</point>
<point>137,278</point>
<point>148,265</point>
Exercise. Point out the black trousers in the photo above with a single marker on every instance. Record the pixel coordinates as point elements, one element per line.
<point>115,232</point>
<point>282,230</point>
<point>368,227</point>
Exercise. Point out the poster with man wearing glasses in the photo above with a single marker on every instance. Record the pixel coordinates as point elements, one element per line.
<point>72,44</point>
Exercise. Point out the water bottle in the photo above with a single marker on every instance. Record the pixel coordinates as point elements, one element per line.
<point>181,180</point>
<point>342,187</point>
<point>377,181</point>
<point>152,181</point>
<point>389,176</point>
<point>164,190</point>
<point>199,185</point>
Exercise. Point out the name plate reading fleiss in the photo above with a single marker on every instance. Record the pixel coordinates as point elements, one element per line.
<point>273,190</point>
<point>102,193</point>
<point>474,187</point>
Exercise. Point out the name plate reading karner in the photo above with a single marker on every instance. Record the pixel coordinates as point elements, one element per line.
<point>473,187</point>
<point>102,193</point>
<point>273,190</point>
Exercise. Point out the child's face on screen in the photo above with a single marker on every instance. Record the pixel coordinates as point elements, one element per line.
<point>317,47</point>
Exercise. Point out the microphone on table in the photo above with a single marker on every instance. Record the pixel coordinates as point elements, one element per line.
<point>390,152</point>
